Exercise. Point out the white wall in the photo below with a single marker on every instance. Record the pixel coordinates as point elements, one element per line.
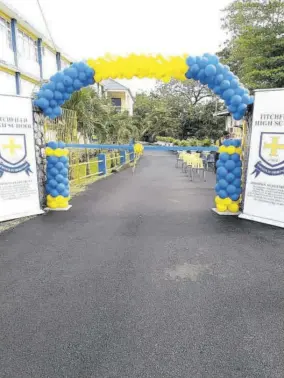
<point>129,103</point>
<point>7,83</point>
<point>27,54</point>
<point>48,63</point>
<point>27,88</point>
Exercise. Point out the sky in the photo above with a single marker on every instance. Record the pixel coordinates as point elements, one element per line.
<point>91,28</point>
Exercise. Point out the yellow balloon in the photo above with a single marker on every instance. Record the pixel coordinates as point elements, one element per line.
<point>218,200</point>
<point>221,208</point>
<point>223,149</point>
<point>227,201</point>
<point>58,152</point>
<point>233,208</point>
<point>49,151</point>
<point>239,150</point>
<point>52,204</point>
<point>231,150</point>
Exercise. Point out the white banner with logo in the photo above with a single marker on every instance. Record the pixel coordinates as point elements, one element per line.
<point>19,195</point>
<point>264,195</point>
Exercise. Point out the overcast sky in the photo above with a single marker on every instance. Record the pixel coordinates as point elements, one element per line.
<point>91,28</point>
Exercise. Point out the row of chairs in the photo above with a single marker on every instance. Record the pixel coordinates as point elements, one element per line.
<point>191,164</point>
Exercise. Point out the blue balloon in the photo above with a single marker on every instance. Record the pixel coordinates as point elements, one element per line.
<point>219,78</point>
<point>242,108</point>
<point>223,194</point>
<point>59,166</point>
<point>77,84</point>
<point>217,90</point>
<point>57,111</point>
<point>237,183</point>
<point>201,75</point>
<point>66,96</point>
<point>54,172</point>
<point>232,108</point>
<point>238,142</point>
<point>228,94</point>
<point>231,189</point>
<point>239,163</point>
<point>61,144</point>
<point>48,189</point>
<point>58,95</point>
<point>53,145</point>
<point>238,191</point>
<point>59,178</point>
<point>70,89</point>
<point>240,91</point>
<point>251,100</point>
<point>236,100</point>
<point>230,165</point>
<point>64,172</point>
<point>60,87</point>
<point>235,157</point>
<point>48,94</point>
<point>195,69</point>
<point>225,84</point>
<point>72,72</point>
<point>60,102</point>
<point>66,182</point>
<point>81,66</point>
<point>203,62</point>
<point>234,197</point>
<point>210,70</point>
<point>54,193</point>
<point>65,193</point>
<point>222,172</point>
<point>217,188</point>
<point>224,156</point>
<point>51,85</point>
<point>48,111</point>
<point>53,103</point>
<point>67,81</point>
<point>82,76</point>
<point>89,72</point>
<point>234,83</point>
<point>227,143</point>
<point>237,172</point>
<point>223,183</point>
<point>60,188</point>
<point>40,94</point>
<point>52,184</point>
<point>58,77</point>
<point>230,177</point>
<point>246,99</point>
<point>219,68</point>
<point>188,74</point>
<point>219,163</point>
<point>63,159</point>
<point>190,60</point>
<point>53,159</point>
<point>213,59</point>
<point>237,116</point>
<point>91,81</point>
<point>42,103</point>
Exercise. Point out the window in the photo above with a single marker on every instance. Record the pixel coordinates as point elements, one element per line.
<point>116,102</point>
<point>27,47</point>
<point>5,33</point>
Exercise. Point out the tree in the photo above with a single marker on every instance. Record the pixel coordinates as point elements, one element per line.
<point>255,45</point>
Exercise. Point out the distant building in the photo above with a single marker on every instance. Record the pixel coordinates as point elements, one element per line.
<point>27,57</point>
<point>120,96</point>
<point>234,128</point>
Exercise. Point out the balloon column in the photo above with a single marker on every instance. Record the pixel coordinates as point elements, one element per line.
<point>57,184</point>
<point>138,149</point>
<point>229,173</point>
<point>61,86</point>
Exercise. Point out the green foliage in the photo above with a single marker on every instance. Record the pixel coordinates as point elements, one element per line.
<point>179,110</point>
<point>97,116</point>
<point>255,46</point>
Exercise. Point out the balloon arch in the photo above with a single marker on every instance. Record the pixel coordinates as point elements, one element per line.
<point>206,69</point>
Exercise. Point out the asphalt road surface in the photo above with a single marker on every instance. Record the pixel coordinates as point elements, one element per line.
<point>141,280</point>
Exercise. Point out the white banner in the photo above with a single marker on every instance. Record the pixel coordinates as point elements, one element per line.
<point>19,195</point>
<point>264,195</point>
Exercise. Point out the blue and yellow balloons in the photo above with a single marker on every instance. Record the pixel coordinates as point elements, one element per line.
<point>228,188</point>
<point>57,183</point>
